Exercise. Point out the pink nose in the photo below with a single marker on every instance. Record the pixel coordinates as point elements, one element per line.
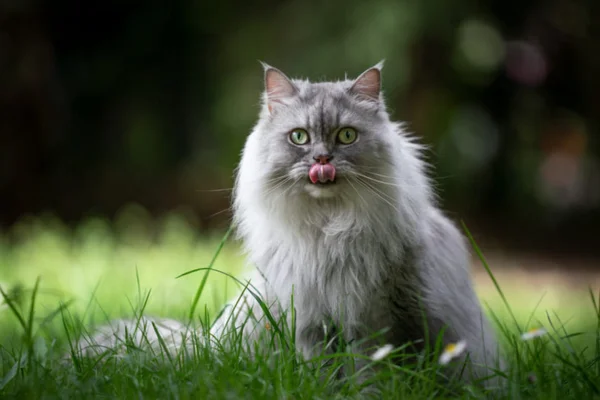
<point>323,158</point>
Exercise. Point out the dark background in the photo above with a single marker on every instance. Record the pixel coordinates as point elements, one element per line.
<point>107,103</point>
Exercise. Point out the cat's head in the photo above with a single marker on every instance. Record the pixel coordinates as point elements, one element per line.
<point>324,139</point>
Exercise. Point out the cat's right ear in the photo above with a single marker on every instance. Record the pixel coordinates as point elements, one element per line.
<point>278,87</point>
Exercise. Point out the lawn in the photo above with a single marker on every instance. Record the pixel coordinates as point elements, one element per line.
<point>105,269</point>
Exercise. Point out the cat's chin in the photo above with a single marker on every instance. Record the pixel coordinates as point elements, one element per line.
<point>321,191</point>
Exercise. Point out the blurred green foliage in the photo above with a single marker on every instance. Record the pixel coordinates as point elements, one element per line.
<point>104,269</point>
<point>107,103</point>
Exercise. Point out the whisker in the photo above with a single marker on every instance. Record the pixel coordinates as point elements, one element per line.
<point>286,189</point>
<point>381,175</point>
<point>278,185</point>
<point>269,180</point>
<point>379,194</point>
<point>214,190</point>
<point>433,178</point>
<point>272,180</point>
<point>218,212</point>
<point>395,184</point>
<point>375,189</point>
<point>376,180</point>
<point>357,192</point>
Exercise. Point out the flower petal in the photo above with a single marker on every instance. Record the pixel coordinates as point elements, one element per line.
<point>382,352</point>
<point>452,351</point>
<point>534,333</point>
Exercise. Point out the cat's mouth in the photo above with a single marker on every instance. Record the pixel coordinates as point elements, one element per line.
<point>322,179</point>
<point>322,190</point>
<point>324,184</point>
<point>322,173</point>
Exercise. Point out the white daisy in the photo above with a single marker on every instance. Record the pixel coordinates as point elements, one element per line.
<point>452,351</point>
<point>382,352</point>
<point>534,333</point>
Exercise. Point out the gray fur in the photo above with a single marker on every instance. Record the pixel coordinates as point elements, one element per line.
<point>370,252</point>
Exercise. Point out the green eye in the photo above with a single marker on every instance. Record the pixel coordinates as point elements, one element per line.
<point>299,136</point>
<point>347,135</point>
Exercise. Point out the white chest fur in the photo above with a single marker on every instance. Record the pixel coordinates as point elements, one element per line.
<point>335,266</point>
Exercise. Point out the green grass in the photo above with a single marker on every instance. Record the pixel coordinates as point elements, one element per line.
<point>59,282</point>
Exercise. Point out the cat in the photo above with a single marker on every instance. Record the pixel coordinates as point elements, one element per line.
<point>333,205</point>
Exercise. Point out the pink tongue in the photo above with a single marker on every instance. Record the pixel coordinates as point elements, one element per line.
<point>321,173</point>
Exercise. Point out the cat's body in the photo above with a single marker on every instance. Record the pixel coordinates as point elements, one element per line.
<point>360,245</point>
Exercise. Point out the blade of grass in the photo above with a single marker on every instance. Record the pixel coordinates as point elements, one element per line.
<point>9,302</point>
<point>12,372</point>
<point>491,274</point>
<point>162,343</point>
<point>255,294</point>
<point>205,277</point>
<point>591,382</point>
<point>597,312</point>
<point>537,306</point>
<point>48,318</point>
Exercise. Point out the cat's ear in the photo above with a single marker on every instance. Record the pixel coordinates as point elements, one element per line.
<point>368,84</point>
<point>278,87</point>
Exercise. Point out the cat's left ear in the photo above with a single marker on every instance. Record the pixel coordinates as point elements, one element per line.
<point>368,84</point>
<point>278,86</point>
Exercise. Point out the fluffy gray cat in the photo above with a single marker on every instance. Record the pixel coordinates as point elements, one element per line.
<point>333,206</point>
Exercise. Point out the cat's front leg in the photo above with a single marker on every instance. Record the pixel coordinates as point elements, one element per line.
<point>360,368</point>
<point>316,339</point>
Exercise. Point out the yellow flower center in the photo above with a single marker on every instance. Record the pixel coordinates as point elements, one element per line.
<point>450,348</point>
